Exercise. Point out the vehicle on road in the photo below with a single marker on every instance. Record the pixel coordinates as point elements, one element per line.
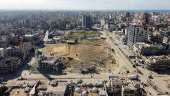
<point>132,76</point>
<point>127,72</point>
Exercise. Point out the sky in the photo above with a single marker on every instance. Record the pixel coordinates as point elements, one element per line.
<point>85,4</point>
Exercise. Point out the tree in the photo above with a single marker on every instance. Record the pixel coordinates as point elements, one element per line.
<point>92,69</point>
<point>156,39</point>
<point>50,36</point>
<point>3,89</point>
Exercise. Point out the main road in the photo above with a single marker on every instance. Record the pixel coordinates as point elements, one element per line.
<point>121,58</point>
<point>157,77</point>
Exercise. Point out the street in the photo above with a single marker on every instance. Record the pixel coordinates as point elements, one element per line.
<point>157,77</point>
<point>123,61</point>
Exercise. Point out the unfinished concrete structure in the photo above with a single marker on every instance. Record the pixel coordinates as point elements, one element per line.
<point>114,85</point>
<point>9,64</point>
<point>128,90</point>
<point>50,63</point>
<point>157,62</point>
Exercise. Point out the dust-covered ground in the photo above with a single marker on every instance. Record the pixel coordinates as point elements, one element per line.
<point>84,55</point>
<point>87,53</point>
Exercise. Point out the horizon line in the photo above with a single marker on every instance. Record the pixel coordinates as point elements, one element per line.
<point>84,9</point>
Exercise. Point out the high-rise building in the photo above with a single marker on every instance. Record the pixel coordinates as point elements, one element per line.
<point>137,33</point>
<point>87,21</point>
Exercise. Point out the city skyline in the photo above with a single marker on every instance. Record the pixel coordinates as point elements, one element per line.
<point>85,5</point>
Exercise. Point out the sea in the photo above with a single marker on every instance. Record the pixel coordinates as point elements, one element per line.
<point>161,11</point>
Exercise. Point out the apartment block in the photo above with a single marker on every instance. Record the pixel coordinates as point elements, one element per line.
<point>86,21</point>
<point>35,38</point>
<point>4,41</point>
<point>157,62</point>
<point>12,51</point>
<point>42,62</point>
<point>16,40</point>
<point>137,33</point>
<point>9,64</point>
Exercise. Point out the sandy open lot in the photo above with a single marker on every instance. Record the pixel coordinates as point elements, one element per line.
<point>83,55</point>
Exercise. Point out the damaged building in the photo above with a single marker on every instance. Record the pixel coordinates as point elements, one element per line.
<point>47,63</point>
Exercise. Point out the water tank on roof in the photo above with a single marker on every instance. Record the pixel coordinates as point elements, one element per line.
<point>78,90</point>
<point>95,90</point>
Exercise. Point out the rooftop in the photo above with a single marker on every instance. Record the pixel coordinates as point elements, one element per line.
<point>18,92</point>
<point>28,35</point>
<point>8,59</point>
<point>49,40</point>
<point>52,60</point>
<point>1,49</point>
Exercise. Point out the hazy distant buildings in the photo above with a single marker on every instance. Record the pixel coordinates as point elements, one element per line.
<point>145,18</point>
<point>4,41</point>
<point>87,21</point>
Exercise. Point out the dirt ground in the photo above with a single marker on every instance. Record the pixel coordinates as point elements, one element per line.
<point>83,55</point>
<point>63,50</point>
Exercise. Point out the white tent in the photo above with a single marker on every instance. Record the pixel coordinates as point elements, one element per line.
<point>95,90</point>
<point>83,84</point>
<point>84,93</point>
<point>101,84</point>
<point>89,84</point>
<point>78,90</point>
<point>96,84</point>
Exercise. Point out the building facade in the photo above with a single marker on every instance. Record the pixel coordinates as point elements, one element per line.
<point>1,52</point>
<point>4,41</point>
<point>137,33</point>
<point>15,52</point>
<point>87,21</point>
<point>9,64</point>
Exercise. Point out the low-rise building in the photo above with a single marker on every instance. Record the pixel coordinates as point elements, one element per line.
<point>142,48</point>
<point>4,41</point>
<point>128,90</point>
<point>118,33</point>
<point>114,85</point>
<point>123,39</point>
<point>110,27</point>
<point>71,41</point>
<point>26,46</point>
<point>9,64</point>
<point>157,62</point>
<point>35,38</point>
<point>16,39</point>
<point>51,63</point>
<point>49,41</point>
<point>57,40</point>
<point>12,51</point>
